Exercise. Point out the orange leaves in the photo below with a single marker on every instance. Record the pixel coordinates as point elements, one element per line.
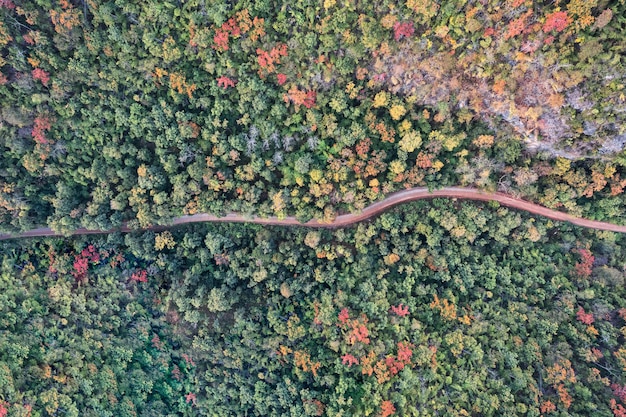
<point>547,407</point>
<point>517,26</point>
<point>178,82</point>
<point>498,86</point>
<point>359,333</point>
<point>560,372</point>
<point>300,97</point>
<point>65,21</point>
<point>446,309</point>
<point>387,409</point>
<point>303,361</point>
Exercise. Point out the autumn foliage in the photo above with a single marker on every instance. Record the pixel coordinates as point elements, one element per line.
<point>41,75</point>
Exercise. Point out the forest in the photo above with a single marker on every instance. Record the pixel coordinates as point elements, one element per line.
<point>137,112</point>
<point>436,308</point>
<point>141,111</point>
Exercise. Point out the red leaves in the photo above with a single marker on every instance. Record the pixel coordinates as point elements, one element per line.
<point>188,359</point>
<point>139,276</point>
<point>349,360</point>
<point>619,391</point>
<point>281,78</point>
<point>225,82</point>
<point>618,409</point>
<point>7,4</point>
<point>41,75</point>
<point>190,398</point>
<point>81,262</point>
<point>556,21</point>
<point>42,124</point>
<point>585,318</point>
<point>400,310</point>
<point>405,352</point>
<point>403,358</point>
<point>401,30</point>
<point>222,34</point>
<point>359,334</point>
<point>221,40</point>
<point>3,410</point>
<point>344,316</point>
<point>583,268</point>
<point>517,26</point>
<point>387,409</point>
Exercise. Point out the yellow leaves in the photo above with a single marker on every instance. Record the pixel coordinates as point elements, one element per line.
<point>316,175</point>
<point>164,240</point>
<point>352,90</point>
<point>397,167</point>
<point>5,38</point>
<point>278,204</point>
<point>397,111</point>
<point>454,341</point>
<point>374,183</point>
<point>411,140</point>
<point>380,100</point>
<point>388,21</point>
<point>562,166</point>
<point>426,8</point>
<point>142,171</point>
<point>170,52</point>
<point>329,3</point>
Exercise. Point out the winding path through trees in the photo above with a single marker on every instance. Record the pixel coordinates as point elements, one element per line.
<point>391,200</point>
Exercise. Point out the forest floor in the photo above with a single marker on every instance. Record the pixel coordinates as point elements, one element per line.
<point>412,194</point>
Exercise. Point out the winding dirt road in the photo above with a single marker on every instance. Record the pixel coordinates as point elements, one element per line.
<point>391,200</point>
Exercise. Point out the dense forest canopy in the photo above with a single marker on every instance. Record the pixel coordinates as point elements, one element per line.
<point>436,308</point>
<point>140,111</point>
<point>144,110</point>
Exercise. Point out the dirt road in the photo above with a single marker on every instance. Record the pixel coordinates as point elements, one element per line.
<point>370,211</point>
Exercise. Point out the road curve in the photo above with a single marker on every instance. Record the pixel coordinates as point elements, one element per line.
<point>391,200</point>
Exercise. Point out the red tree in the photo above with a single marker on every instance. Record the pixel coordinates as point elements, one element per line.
<point>349,360</point>
<point>556,21</point>
<point>400,310</point>
<point>41,75</point>
<point>225,82</point>
<point>585,318</point>
<point>402,30</point>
